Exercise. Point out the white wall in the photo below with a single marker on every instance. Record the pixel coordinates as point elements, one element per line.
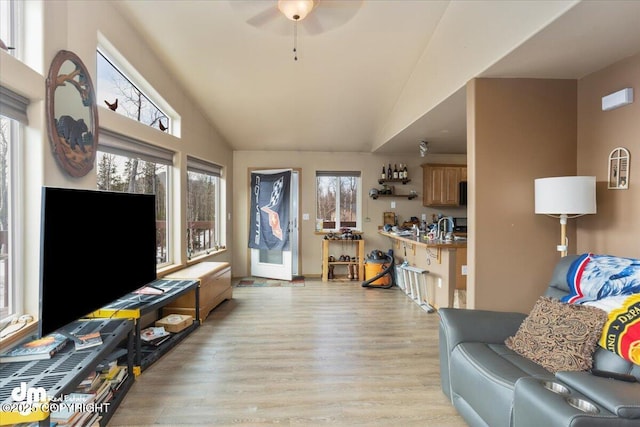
<point>75,26</point>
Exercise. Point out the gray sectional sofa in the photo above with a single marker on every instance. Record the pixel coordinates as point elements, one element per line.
<point>491,385</point>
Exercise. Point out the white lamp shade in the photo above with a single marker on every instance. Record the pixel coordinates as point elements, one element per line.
<point>296,10</point>
<point>568,195</point>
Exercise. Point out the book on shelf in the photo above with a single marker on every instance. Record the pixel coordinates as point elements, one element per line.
<point>71,408</point>
<point>118,377</point>
<point>156,342</point>
<point>153,334</point>
<point>149,290</point>
<point>90,383</point>
<point>42,348</point>
<point>102,391</point>
<point>110,371</point>
<point>85,419</point>
<point>88,340</point>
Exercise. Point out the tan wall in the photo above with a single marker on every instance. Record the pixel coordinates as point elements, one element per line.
<point>518,130</point>
<point>370,166</point>
<point>615,228</point>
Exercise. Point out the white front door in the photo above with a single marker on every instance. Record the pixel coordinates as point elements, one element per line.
<point>274,263</point>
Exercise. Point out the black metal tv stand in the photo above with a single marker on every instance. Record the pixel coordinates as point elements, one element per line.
<point>62,373</point>
<point>134,306</point>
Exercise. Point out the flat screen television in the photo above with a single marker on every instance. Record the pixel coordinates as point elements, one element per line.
<point>96,246</point>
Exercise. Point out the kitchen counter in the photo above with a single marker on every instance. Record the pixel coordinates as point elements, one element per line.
<point>445,261</point>
<point>457,243</point>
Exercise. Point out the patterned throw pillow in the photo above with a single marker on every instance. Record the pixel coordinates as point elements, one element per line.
<point>559,336</point>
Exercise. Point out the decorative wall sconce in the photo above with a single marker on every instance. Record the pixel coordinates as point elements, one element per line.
<point>618,169</point>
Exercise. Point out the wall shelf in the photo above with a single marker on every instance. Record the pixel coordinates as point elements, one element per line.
<point>402,181</point>
<point>397,196</point>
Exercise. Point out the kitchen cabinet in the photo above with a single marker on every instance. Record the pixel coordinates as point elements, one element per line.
<point>441,184</point>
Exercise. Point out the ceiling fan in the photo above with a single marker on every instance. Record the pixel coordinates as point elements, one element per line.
<point>313,16</point>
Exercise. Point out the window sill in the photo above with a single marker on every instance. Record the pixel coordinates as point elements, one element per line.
<point>202,257</point>
<point>19,335</point>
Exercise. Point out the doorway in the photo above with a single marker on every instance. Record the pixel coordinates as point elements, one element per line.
<point>282,261</point>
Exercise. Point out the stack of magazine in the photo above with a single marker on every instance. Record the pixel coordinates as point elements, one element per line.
<point>154,335</point>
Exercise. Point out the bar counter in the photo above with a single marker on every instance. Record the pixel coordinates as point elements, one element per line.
<point>445,261</point>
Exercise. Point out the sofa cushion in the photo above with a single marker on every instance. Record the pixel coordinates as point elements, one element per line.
<point>559,280</point>
<point>559,336</point>
<point>483,377</point>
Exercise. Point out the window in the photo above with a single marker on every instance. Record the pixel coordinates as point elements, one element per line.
<point>338,199</point>
<point>10,19</point>
<point>13,116</point>
<point>121,95</point>
<point>132,166</point>
<point>203,207</point>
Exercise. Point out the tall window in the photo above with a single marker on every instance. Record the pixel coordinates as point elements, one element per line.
<point>338,199</point>
<point>10,19</point>
<point>13,116</point>
<point>203,207</point>
<point>117,92</point>
<point>132,166</point>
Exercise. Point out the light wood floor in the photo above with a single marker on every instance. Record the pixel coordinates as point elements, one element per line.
<point>324,354</point>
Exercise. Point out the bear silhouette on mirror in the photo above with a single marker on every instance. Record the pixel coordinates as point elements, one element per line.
<point>75,132</point>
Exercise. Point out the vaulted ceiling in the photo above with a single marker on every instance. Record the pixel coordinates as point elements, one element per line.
<point>355,59</point>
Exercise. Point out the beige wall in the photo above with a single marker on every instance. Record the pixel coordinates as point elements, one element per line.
<point>615,228</point>
<point>370,166</point>
<point>518,130</point>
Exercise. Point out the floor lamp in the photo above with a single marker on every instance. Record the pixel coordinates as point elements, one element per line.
<point>565,197</point>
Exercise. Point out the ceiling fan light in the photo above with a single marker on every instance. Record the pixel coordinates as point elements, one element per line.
<point>296,10</point>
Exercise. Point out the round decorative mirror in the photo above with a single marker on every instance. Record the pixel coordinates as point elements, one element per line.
<point>72,115</point>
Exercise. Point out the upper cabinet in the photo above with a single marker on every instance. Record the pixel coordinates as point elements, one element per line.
<point>441,184</point>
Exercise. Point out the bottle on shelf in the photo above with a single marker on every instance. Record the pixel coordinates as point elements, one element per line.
<point>384,173</point>
<point>389,172</point>
<point>395,171</point>
<point>405,172</point>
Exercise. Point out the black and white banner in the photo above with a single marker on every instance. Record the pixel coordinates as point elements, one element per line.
<point>269,225</point>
